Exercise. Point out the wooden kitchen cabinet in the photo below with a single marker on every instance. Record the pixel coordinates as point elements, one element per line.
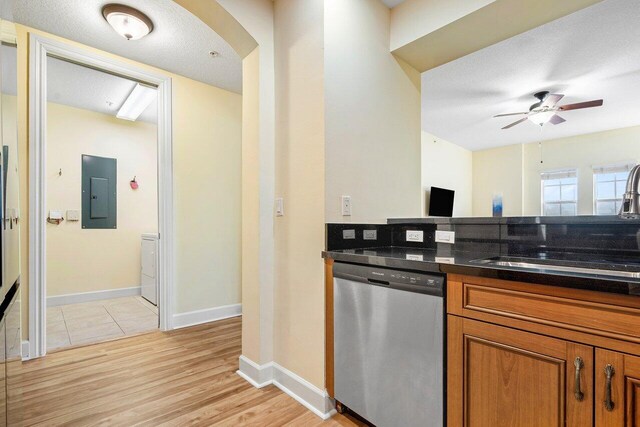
<point>515,378</point>
<point>514,350</point>
<point>617,389</point>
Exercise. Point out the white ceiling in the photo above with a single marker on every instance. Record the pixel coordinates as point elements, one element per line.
<point>89,89</point>
<point>591,54</point>
<point>180,42</point>
<point>392,3</point>
<point>78,86</point>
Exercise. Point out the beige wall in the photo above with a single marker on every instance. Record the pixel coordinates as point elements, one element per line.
<point>515,169</point>
<point>256,16</point>
<point>81,260</point>
<point>447,165</point>
<point>581,152</point>
<point>413,19</point>
<point>372,117</point>
<point>251,330</point>
<point>207,130</point>
<point>299,290</point>
<point>498,170</point>
<point>207,142</point>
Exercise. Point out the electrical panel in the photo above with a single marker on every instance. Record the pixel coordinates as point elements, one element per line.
<point>99,192</point>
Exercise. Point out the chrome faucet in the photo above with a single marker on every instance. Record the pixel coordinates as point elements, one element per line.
<point>631,199</point>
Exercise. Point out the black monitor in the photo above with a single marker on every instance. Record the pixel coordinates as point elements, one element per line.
<point>441,202</point>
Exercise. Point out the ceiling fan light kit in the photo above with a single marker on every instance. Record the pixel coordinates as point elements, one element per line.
<point>544,111</point>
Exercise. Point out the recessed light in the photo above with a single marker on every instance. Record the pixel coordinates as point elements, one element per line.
<point>130,23</point>
<point>214,54</point>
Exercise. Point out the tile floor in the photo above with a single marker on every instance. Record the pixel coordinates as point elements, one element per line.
<point>90,322</point>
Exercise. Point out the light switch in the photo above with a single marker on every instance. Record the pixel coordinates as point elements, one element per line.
<point>73,215</point>
<point>279,206</point>
<point>346,205</point>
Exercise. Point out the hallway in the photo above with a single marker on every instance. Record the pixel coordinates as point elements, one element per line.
<point>183,377</point>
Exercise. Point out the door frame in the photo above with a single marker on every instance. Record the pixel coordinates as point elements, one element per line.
<point>40,48</point>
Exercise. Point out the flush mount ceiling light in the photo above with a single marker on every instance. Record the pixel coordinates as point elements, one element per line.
<point>130,23</point>
<point>138,100</point>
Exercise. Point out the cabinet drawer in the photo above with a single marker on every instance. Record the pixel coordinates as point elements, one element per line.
<point>588,316</point>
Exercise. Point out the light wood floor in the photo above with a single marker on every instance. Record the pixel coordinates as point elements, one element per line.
<point>183,377</point>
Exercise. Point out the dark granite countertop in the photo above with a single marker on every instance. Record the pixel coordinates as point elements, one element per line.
<point>462,262</point>
<point>519,220</point>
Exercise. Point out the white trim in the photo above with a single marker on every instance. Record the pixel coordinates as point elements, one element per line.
<point>40,48</point>
<point>197,317</point>
<point>81,297</point>
<point>307,394</point>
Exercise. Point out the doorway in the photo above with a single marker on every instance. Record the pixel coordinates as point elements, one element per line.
<point>100,193</point>
<point>102,206</point>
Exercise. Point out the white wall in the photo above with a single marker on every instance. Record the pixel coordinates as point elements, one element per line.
<point>372,117</point>
<point>450,166</point>
<point>86,260</point>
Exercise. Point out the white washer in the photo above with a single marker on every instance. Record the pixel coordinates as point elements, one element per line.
<point>149,267</point>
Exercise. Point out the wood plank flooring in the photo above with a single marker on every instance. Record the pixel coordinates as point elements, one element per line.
<point>177,378</point>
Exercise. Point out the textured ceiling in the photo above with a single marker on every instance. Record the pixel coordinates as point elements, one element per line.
<point>591,54</point>
<point>392,3</point>
<point>179,43</point>
<point>89,89</point>
<point>77,86</point>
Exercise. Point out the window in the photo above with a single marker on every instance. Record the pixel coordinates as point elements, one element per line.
<point>609,183</point>
<point>560,192</point>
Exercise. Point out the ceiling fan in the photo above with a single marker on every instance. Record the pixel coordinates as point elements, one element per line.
<point>544,111</point>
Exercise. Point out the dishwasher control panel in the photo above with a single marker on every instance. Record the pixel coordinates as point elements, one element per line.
<point>398,279</point>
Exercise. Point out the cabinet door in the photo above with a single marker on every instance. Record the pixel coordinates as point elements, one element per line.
<point>499,376</point>
<point>617,389</point>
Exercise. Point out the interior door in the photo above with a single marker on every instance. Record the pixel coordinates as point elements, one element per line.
<point>515,378</point>
<point>618,389</point>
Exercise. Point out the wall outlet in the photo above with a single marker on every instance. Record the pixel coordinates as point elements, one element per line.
<point>370,235</point>
<point>73,215</point>
<point>445,236</point>
<point>279,206</point>
<point>348,234</point>
<point>346,205</point>
<point>415,236</point>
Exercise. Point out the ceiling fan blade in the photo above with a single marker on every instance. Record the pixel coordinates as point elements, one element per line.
<point>515,123</point>
<point>556,120</point>
<point>510,114</point>
<point>551,100</point>
<point>579,105</point>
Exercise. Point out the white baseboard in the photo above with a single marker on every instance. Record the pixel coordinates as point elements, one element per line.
<point>191,318</point>
<point>310,396</point>
<point>57,300</point>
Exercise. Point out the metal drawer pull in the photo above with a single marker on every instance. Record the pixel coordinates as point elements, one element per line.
<point>579,364</point>
<point>609,372</point>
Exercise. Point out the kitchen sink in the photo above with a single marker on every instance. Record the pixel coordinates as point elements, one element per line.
<point>601,267</point>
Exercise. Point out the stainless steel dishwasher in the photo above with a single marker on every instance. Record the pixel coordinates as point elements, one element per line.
<point>389,362</point>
